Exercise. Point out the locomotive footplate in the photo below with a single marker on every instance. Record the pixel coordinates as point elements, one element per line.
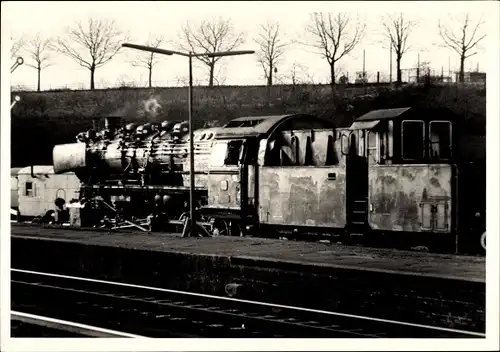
<point>119,189</point>
<point>226,214</point>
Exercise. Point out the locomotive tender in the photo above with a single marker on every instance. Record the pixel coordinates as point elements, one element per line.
<point>393,173</point>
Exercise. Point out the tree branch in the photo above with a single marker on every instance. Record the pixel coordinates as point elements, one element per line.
<point>456,38</point>
<point>17,46</point>
<point>461,45</point>
<point>397,30</point>
<point>336,35</point>
<point>39,51</point>
<point>271,47</point>
<point>208,37</point>
<point>149,60</point>
<point>93,45</point>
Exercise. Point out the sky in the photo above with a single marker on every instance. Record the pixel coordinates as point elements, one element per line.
<point>140,19</point>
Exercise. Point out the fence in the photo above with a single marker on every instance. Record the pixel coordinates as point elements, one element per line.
<point>370,79</point>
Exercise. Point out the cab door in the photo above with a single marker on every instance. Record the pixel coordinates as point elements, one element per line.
<point>249,176</point>
<point>224,185</point>
<point>356,183</point>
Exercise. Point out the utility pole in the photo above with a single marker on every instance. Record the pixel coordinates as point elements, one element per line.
<point>364,72</point>
<point>449,69</point>
<point>390,64</point>
<point>418,68</point>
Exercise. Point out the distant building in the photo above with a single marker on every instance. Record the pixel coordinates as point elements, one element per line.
<point>472,77</point>
<point>361,77</point>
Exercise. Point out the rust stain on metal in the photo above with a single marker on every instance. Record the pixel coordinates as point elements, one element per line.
<point>304,197</point>
<point>434,182</point>
<point>407,173</point>
<point>410,197</point>
<point>223,191</point>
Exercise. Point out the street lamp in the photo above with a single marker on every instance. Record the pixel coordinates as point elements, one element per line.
<point>190,227</point>
<point>19,62</point>
<point>17,99</point>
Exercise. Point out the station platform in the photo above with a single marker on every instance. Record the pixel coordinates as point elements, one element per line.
<point>424,288</point>
<point>275,252</point>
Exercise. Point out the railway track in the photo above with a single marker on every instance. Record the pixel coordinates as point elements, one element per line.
<point>157,312</point>
<point>30,325</point>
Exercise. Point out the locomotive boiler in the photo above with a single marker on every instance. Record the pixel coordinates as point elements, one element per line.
<point>135,171</point>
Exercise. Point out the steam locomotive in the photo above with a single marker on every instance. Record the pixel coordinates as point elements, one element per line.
<point>396,174</point>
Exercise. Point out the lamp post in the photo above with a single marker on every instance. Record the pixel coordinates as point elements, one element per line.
<point>190,227</point>
<point>19,62</point>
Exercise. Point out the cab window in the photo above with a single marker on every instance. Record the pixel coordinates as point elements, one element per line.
<point>233,153</point>
<point>218,154</point>
<point>30,189</point>
<point>372,146</point>
<point>412,140</point>
<point>226,153</point>
<point>439,140</point>
<point>344,143</point>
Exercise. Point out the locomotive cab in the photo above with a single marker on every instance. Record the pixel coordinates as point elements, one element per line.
<point>231,173</point>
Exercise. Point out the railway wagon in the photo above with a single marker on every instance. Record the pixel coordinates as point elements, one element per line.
<point>34,190</point>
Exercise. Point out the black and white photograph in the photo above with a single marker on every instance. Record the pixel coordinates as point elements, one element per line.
<point>238,175</point>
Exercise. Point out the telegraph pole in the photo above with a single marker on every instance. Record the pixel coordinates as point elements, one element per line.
<point>418,68</point>
<point>364,72</point>
<point>390,63</point>
<point>449,70</point>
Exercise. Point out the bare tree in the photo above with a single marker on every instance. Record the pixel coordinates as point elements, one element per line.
<point>271,48</point>
<point>294,74</point>
<point>39,53</point>
<point>299,74</point>
<point>209,37</point>
<point>17,45</point>
<point>91,46</point>
<point>397,30</point>
<point>183,81</point>
<point>462,38</point>
<point>335,36</point>
<point>220,76</point>
<point>148,60</point>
